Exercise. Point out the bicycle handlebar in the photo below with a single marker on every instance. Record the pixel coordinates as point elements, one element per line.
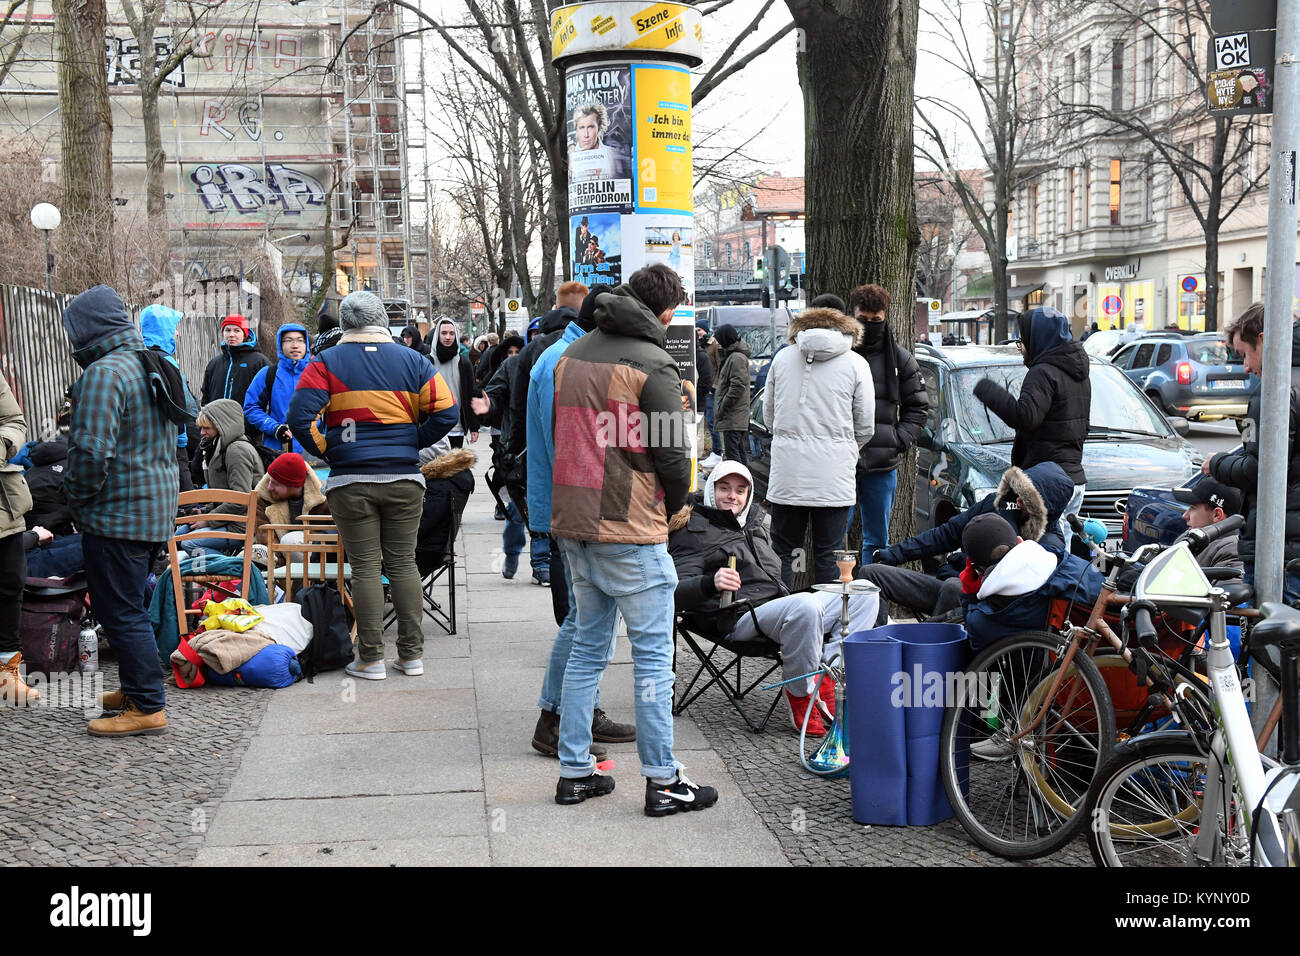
<point>1142,624</point>
<point>1198,538</point>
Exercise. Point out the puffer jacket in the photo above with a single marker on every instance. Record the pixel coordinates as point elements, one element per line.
<point>15,498</point>
<point>1241,468</point>
<point>621,448</point>
<point>266,412</point>
<point>1051,415</point>
<point>230,373</point>
<point>819,405</point>
<point>539,403</point>
<point>449,481</point>
<point>549,329</point>
<point>731,390</point>
<point>898,422</point>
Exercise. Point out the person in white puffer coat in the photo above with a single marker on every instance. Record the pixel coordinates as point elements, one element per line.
<point>819,405</point>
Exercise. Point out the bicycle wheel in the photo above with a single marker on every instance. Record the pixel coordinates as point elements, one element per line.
<point>1019,792</point>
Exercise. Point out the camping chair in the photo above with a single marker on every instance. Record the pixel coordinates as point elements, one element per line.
<point>445,618</point>
<point>246,516</point>
<point>725,670</point>
<point>317,559</point>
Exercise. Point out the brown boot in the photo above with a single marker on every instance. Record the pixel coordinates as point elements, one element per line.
<point>13,692</point>
<point>113,700</point>
<point>546,737</point>
<point>130,723</point>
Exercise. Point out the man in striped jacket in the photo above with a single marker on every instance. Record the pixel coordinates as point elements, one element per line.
<point>382,403</point>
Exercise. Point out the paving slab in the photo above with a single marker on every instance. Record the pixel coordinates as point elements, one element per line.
<point>436,709</point>
<point>418,817</point>
<point>444,851</point>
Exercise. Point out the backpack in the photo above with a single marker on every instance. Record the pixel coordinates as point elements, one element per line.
<point>331,624</point>
<point>50,632</point>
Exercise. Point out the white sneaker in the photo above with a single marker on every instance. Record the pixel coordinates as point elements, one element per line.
<point>713,461</point>
<point>375,670</point>
<point>995,749</point>
<point>413,668</point>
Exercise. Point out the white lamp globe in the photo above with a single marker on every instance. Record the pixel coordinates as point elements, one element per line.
<point>46,216</point>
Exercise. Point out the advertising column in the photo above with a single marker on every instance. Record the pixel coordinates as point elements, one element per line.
<point>627,96</point>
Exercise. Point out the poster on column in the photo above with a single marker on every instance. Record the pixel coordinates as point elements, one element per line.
<point>597,248</point>
<point>598,103</point>
<point>662,138</point>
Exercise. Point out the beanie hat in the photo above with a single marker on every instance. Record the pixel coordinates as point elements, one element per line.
<point>239,322</point>
<point>987,538</point>
<point>587,313</point>
<point>726,335</point>
<point>361,309</point>
<point>289,470</point>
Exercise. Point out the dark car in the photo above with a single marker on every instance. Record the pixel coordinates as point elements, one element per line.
<point>968,448</point>
<point>753,324</point>
<point>1194,376</point>
<point>1152,515</point>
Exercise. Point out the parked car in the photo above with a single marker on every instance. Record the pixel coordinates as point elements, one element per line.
<point>1196,376</point>
<point>1150,515</point>
<point>968,448</point>
<point>1103,342</point>
<point>753,323</point>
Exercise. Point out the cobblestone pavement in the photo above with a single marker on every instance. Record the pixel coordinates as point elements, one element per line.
<point>69,798</point>
<point>812,817</point>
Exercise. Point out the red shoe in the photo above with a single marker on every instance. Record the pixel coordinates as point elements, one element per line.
<point>826,691</point>
<point>798,707</point>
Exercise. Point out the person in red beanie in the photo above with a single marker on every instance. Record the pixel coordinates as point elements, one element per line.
<point>287,491</point>
<point>229,374</point>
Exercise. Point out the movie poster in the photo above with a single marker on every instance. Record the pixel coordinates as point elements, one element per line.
<point>598,103</point>
<point>597,249</point>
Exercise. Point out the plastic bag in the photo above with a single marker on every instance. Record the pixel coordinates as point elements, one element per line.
<point>232,614</point>
<point>286,625</point>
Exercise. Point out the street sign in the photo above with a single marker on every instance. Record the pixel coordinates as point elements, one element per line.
<point>1229,16</point>
<point>1112,305</point>
<point>1240,79</point>
<point>512,305</point>
<point>1189,283</point>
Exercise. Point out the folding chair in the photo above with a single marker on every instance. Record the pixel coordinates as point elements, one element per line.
<point>211,496</point>
<point>725,670</point>
<point>445,618</point>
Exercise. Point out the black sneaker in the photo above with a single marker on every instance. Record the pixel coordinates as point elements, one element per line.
<point>570,790</point>
<point>682,795</point>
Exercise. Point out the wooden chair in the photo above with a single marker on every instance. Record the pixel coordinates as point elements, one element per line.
<point>244,516</point>
<point>318,558</point>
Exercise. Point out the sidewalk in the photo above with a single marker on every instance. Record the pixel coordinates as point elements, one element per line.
<point>438,769</point>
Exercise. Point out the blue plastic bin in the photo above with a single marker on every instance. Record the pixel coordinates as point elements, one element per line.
<point>894,766</point>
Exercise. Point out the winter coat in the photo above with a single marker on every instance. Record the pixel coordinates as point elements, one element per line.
<point>230,373</point>
<point>549,329</point>
<point>731,390</point>
<point>540,403</point>
<point>448,483</point>
<point>819,405</point>
<point>49,460</point>
<point>1241,468</point>
<point>267,412</point>
<point>15,498</point>
<point>417,340</point>
<point>701,541</point>
<point>1032,499</point>
<point>499,389</point>
<point>271,511</point>
<point>703,373</point>
<point>459,375</point>
<point>234,464</point>
<point>1017,594</point>
<point>121,479</point>
<point>382,403</point>
<point>1051,415</point>
<point>899,418</point>
<point>619,483</point>
<point>1221,553</point>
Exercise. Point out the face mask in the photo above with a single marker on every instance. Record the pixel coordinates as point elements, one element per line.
<point>873,334</point>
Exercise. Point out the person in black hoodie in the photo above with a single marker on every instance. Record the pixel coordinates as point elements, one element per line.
<point>412,339</point>
<point>1051,415</point>
<point>230,373</point>
<point>901,407</point>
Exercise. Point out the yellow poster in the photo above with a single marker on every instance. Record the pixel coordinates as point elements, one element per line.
<point>662,138</point>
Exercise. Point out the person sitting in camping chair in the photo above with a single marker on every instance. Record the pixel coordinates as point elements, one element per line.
<point>703,540</point>
<point>449,481</point>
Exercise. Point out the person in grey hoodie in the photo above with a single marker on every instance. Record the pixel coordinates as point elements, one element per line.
<point>820,405</point>
<point>232,463</point>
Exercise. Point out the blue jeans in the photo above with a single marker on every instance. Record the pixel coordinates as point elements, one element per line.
<point>539,551</point>
<point>206,545</point>
<point>715,439</point>
<point>637,580</point>
<point>512,535</point>
<point>116,573</point>
<point>553,682</point>
<point>875,503</point>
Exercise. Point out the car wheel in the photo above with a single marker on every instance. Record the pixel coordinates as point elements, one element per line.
<point>1157,401</point>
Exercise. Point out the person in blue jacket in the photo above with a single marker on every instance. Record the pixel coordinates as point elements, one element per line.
<point>158,325</point>
<point>266,406</point>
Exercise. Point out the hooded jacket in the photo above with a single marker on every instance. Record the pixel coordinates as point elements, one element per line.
<point>549,329</point>
<point>621,448</point>
<point>44,479</point>
<point>417,340</point>
<point>1051,415</point>
<point>1032,500</point>
<point>234,463</point>
<point>1240,469</point>
<point>271,511</point>
<point>539,409</point>
<point>456,371</point>
<point>231,372</point>
<point>15,498</point>
<point>267,412</point>
<point>158,326</point>
<point>819,405</point>
<point>448,483</point>
<point>703,538</point>
<point>731,385</point>
<point>121,479</point>
<point>900,417</point>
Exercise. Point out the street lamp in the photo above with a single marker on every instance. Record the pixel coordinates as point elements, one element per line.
<point>45,217</point>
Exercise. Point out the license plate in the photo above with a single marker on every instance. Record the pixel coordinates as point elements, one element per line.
<point>1226,383</point>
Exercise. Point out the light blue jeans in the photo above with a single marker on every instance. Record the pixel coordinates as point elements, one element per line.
<point>637,580</point>
<point>553,682</point>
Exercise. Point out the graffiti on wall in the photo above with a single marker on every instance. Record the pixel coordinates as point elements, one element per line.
<point>122,60</point>
<point>221,119</point>
<point>248,189</point>
<point>242,53</point>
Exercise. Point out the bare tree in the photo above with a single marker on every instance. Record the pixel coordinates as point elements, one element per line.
<point>13,46</point>
<point>945,231</point>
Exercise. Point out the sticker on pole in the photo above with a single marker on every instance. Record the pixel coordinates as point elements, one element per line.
<point>1232,51</point>
<point>1112,305</point>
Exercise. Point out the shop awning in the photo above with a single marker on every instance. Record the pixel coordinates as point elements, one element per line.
<point>1020,291</point>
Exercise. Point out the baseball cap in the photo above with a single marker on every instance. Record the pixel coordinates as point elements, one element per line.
<point>1216,494</point>
<point>987,538</point>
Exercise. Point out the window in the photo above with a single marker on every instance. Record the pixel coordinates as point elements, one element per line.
<point>930,379</point>
<point>1143,357</point>
<point>1164,355</point>
<point>1188,54</point>
<point>1033,211</point>
<point>1087,195</point>
<point>1004,24</point>
<point>748,252</point>
<point>1149,192</point>
<point>1085,75</point>
<point>728,249</point>
<point>1117,75</point>
<point>1116,174</point>
<point>1149,68</point>
<point>1122,359</point>
<point>1067,90</point>
<point>1070,199</point>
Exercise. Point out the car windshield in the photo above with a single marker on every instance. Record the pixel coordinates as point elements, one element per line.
<point>759,339</point>
<point>1125,412</point>
<point>1212,352</point>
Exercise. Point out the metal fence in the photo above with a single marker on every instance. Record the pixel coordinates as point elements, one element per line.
<point>37,356</point>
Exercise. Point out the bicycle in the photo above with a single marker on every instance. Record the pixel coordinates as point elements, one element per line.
<point>1041,722</point>
<point>1150,804</point>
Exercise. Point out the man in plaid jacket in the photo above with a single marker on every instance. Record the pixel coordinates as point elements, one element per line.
<point>121,485</point>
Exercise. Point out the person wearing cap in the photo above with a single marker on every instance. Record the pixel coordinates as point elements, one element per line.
<point>724,524</point>
<point>231,372</point>
<point>287,491</point>
<point>1209,502</point>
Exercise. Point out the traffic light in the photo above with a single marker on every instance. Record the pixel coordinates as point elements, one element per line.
<point>758,269</point>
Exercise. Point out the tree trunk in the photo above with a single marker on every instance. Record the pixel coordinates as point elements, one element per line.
<point>860,196</point>
<point>86,236</point>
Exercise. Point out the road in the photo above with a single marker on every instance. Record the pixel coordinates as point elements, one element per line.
<point>1210,438</point>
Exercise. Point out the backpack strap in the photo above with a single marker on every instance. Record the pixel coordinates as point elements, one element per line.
<point>264,403</point>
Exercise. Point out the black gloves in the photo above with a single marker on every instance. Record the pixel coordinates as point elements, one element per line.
<point>282,433</point>
<point>886,556</point>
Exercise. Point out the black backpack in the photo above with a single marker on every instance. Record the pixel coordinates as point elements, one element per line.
<point>331,625</point>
